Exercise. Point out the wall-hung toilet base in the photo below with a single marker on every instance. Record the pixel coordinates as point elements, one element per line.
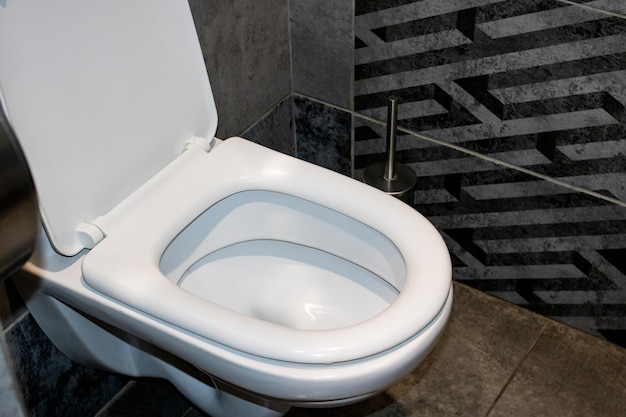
<point>68,318</point>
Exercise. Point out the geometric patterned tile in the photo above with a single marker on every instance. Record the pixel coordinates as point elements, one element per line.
<point>548,248</point>
<point>539,84</point>
<point>321,50</point>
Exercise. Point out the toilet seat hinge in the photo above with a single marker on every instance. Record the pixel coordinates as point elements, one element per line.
<point>90,234</point>
<point>203,143</point>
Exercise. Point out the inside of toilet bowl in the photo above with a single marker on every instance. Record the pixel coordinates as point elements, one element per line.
<point>286,260</point>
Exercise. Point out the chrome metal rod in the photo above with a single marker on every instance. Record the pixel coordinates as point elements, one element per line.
<point>392,125</point>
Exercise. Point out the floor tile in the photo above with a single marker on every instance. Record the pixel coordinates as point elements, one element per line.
<point>148,398</point>
<point>485,341</point>
<point>52,385</point>
<point>568,373</point>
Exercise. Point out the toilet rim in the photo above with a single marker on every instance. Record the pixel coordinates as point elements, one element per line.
<point>125,265</point>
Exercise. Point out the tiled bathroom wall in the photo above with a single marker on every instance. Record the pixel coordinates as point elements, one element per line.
<point>512,115</point>
<point>246,51</point>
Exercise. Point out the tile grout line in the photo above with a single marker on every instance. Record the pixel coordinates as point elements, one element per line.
<point>15,321</point>
<point>519,365</point>
<point>584,6</point>
<point>292,89</point>
<point>264,115</point>
<point>116,397</point>
<point>487,158</point>
<point>186,413</point>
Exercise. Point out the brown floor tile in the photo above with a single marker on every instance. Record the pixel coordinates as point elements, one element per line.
<point>568,373</point>
<point>485,341</point>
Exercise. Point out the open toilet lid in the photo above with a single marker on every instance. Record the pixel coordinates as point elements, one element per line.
<point>101,95</point>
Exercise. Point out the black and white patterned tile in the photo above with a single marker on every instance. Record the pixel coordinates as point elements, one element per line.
<point>548,248</point>
<point>540,84</point>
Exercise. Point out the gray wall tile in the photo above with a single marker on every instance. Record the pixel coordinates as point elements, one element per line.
<point>246,50</point>
<point>322,48</point>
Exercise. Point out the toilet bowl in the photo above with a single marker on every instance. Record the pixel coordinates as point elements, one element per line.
<point>252,280</point>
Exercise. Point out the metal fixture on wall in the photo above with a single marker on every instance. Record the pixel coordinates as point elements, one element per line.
<point>389,175</point>
<point>19,213</point>
<point>19,223</point>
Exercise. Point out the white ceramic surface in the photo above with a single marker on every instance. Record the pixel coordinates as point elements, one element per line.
<point>125,265</point>
<point>91,85</point>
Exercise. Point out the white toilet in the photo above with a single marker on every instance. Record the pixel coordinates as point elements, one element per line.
<point>251,280</point>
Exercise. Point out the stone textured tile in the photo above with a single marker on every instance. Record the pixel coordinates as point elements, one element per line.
<point>567,373</point>
<point>323,135</point>
<point>148,398</point>
<point>275,130</point>
<point>613,6</point>
<point>322,49</point>
<point>485,341</point>
<point>53,385</point>
<point>246,50</point>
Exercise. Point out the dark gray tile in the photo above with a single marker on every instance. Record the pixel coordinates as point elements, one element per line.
<point>323,135</point>
<point>53,385</point>
<point>246,52</point>
<point>567,373</point>
<point>148,398</point>
<point>322,48</point>
<point>485,341</point>
<point>275,130</point>
<point>11,304</point>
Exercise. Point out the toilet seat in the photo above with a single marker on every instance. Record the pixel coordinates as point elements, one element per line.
<point>125,264</point>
